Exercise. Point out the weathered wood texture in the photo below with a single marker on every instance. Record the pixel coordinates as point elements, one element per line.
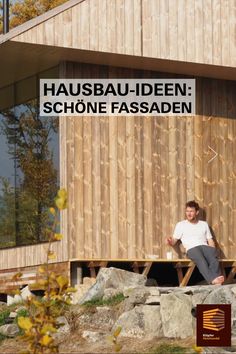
<point>31,255</point>
<point>129,178</point>
<point>30,276</point>
<point>188,30</point>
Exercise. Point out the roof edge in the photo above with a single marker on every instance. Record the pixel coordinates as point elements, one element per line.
<point>37,20</point>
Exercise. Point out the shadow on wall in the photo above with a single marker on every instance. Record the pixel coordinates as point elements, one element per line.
<point>203,216</point>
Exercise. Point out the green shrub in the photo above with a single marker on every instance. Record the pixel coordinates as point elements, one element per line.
<point>3,316</point>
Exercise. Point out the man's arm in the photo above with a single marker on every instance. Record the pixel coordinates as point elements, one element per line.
<point>209,236</point>
<point>171,241</point>
<point>211,242</point>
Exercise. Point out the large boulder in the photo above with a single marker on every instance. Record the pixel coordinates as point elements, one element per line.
<point>81,290</point>
<point>176,315</point>
<point>137,296</point>
<point>112,278</point>
<point>103,317</point>
<point>9,330</point>
<point>221,295</point>
<point>141,321</point>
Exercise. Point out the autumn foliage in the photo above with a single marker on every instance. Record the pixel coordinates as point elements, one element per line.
<point>24,10</point>
<point>41,324</point>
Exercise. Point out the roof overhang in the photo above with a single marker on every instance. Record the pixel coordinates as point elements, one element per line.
<point>19,60</point>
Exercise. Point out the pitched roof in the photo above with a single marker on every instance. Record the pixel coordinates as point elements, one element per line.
<point>125,33</point>
<point>38,20</point>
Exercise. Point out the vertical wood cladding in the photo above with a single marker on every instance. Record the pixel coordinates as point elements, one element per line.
<point>129,177</point>
<point>199,31</point>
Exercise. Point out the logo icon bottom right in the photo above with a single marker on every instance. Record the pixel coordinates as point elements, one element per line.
<point>214,325</point>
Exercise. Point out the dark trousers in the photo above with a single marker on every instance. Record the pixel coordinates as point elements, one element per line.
<point>205,258</point>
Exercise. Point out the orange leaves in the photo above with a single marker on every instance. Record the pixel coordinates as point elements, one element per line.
<point>41,323</point>
<point>52,211</point>
<point>58,237</point>
<point>25,323</point>
<point>114,339</point>
<point>61,199</point>
<point>46,340</point>
<point>62,281</point>
<point>17,276</point>
<point>51,255</point>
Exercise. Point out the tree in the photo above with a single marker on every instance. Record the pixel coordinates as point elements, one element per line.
<point>28,139</point>
<point>7,216</point>
<point>24,10</point>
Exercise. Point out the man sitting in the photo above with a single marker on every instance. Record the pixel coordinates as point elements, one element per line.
<point>196,238</point>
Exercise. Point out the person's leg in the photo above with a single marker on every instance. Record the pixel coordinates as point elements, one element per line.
<point>210,254</point>
<point>197,256</point>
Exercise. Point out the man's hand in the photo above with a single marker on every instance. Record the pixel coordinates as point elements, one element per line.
<point>211,242</point>
<point>170,241</point>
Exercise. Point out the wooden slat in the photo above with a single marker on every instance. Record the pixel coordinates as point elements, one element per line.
<point>130,185</point>
<point>187,276</point>
<point>113,183</point>
<point>122,188</point>
<point>182,33</point>
<point>147,268</point>
<point>147,185</point>
<point>87,168</point>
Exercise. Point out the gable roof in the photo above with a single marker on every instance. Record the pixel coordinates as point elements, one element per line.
<point>125,33</point>
<point>38,20</point>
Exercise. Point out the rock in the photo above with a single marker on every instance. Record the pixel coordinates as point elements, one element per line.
<point>199,298</point>
<point>153,300</point>
<point>25,293</point>
<point>110,292</point>
<point>9,330</point>
<point>154,291</point>
<point>13,314</point>
<point>13,299</point>
<point>142,321</point>
<point>176,317</point>
<point>91,336</point>
<point>233,289</point>
<point>104,317</point>
<point>112,278</point>
<point>138,296</point>
<point>89,281</point>
<point>64,325</point>
<point>220,295</point>
<point>82,289</point>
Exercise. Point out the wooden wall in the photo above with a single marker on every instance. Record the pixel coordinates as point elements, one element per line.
<point>129,178</point>
<point>200,31</point>
<point>25,256</point>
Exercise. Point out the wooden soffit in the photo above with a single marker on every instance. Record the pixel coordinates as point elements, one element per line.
<point>20,60</point>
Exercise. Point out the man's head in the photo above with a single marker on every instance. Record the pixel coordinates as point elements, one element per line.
<point>192,211</point>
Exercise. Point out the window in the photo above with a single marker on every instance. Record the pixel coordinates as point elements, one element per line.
<point>29,166</point>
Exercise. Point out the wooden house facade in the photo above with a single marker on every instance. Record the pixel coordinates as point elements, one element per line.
<point>128,178</point>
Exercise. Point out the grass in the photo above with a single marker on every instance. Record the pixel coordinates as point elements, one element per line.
<point>114,300</point>
<point>3,316</point>
<point>170,349</point>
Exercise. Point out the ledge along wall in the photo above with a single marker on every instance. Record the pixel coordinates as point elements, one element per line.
<point>128,178</point>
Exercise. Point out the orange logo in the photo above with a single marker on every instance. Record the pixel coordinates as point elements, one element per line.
<point>213,325</point>
<point>214,319</point>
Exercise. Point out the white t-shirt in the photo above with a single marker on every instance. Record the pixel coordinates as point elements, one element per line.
<point>192,234</point>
